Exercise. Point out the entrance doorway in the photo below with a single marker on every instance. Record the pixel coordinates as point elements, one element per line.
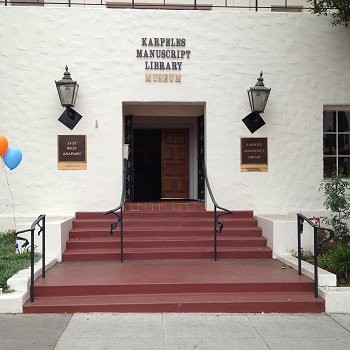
<point>147,165</point>
<point>166,146</point>
<point>161,164</point>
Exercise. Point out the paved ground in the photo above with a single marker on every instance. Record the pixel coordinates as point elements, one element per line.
<point>97,331</point>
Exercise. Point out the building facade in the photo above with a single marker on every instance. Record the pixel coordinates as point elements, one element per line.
<point>171,75</point>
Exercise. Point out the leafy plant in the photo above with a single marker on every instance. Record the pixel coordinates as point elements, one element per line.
<point>337,261</point>
<point>304,255</point>
<point>338,9</point>
<point>336,190</point>
<point>10,261</point>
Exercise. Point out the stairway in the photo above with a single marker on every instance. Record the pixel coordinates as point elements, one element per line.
<point>165,235</point>
<point>169,266</point>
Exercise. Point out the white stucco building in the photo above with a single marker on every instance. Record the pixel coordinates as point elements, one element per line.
<point>208,60</point>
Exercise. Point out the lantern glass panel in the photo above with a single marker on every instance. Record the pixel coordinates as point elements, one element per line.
<point>259,100</point>
<point>68,93</point>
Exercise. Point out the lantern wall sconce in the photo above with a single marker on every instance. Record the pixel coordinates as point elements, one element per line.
<point>67,91</point>
<point>258,96</point>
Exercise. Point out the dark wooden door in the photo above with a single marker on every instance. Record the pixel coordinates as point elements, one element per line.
<point>175,171</point>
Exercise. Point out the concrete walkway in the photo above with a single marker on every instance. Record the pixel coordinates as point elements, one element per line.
<point>97,331</point>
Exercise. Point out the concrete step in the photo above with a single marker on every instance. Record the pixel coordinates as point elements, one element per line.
<point>163,214</point>
<point>165,232</point>
<point>297,302</point>
<point>174,222</point>
<point>161,241</point>
<point>100,254</point>
<point>241,285</point>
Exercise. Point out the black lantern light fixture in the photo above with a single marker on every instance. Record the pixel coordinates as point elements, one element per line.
<point>67,92</point>
<point>258,95</point>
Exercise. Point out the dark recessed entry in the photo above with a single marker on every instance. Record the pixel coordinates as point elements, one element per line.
<point>147,148</point>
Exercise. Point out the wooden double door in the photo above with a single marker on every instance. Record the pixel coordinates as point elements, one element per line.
<point>161,164</point>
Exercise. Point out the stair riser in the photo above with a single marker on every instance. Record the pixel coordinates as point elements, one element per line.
<point>168,255</point>
<point>253,307</point>
<point>198,214</point>
<point>105,224</point>
<point>144,289</point>
<point>90,257</point>
<point>195,232</point>
<point>245,255</point>
<point>165,244</point>
<point>160,214</point>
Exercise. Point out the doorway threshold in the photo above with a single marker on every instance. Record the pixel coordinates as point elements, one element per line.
<point>176,205</point>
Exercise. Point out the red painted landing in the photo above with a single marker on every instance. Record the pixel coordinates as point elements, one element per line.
<point>176,206</point>
<point>241,285</point>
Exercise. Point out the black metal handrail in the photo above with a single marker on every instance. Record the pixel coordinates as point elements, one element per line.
<point>118,211</point>
<point>218,225</point>
<point>40,222</point>
<point>300,223</point>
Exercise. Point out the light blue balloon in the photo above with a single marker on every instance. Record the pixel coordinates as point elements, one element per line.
<point>12,157</point>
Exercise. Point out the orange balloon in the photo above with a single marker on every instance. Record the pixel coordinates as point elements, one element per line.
<point>3,145</point>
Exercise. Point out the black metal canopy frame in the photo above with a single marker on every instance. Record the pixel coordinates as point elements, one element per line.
<point>165,4</point>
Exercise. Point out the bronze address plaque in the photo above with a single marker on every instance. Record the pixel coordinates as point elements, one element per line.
<point>71,152</point>
<point>254,154</point>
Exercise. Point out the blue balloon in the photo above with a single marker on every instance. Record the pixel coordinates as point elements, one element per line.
<point>12,157</point>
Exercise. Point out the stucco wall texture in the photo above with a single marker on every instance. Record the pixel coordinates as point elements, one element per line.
<point>305,61</point>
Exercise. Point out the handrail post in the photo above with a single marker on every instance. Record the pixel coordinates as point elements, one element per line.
<point>216,206</point>
<point>315,263</point>
<point>121,236</point>
<point>300,221</point>
<point>43,250</point>
<point>32,264</point>
<point>300,230</point>
<point>32,248</point>
<point>120,215</point>
<point>215,235</point>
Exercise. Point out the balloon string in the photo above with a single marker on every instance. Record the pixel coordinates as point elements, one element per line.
<point>11,195</point>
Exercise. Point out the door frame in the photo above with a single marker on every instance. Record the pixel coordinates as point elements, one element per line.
<point>192,156</point>
<point>168,115</point>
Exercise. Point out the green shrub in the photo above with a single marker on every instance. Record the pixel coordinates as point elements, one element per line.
<point>337,261</point>
<point>305,255</point>
<point>336,191</point>
<point>10,261</point>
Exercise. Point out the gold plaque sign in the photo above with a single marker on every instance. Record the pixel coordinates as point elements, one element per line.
<point>254,154</point>
<point>71,152</point>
